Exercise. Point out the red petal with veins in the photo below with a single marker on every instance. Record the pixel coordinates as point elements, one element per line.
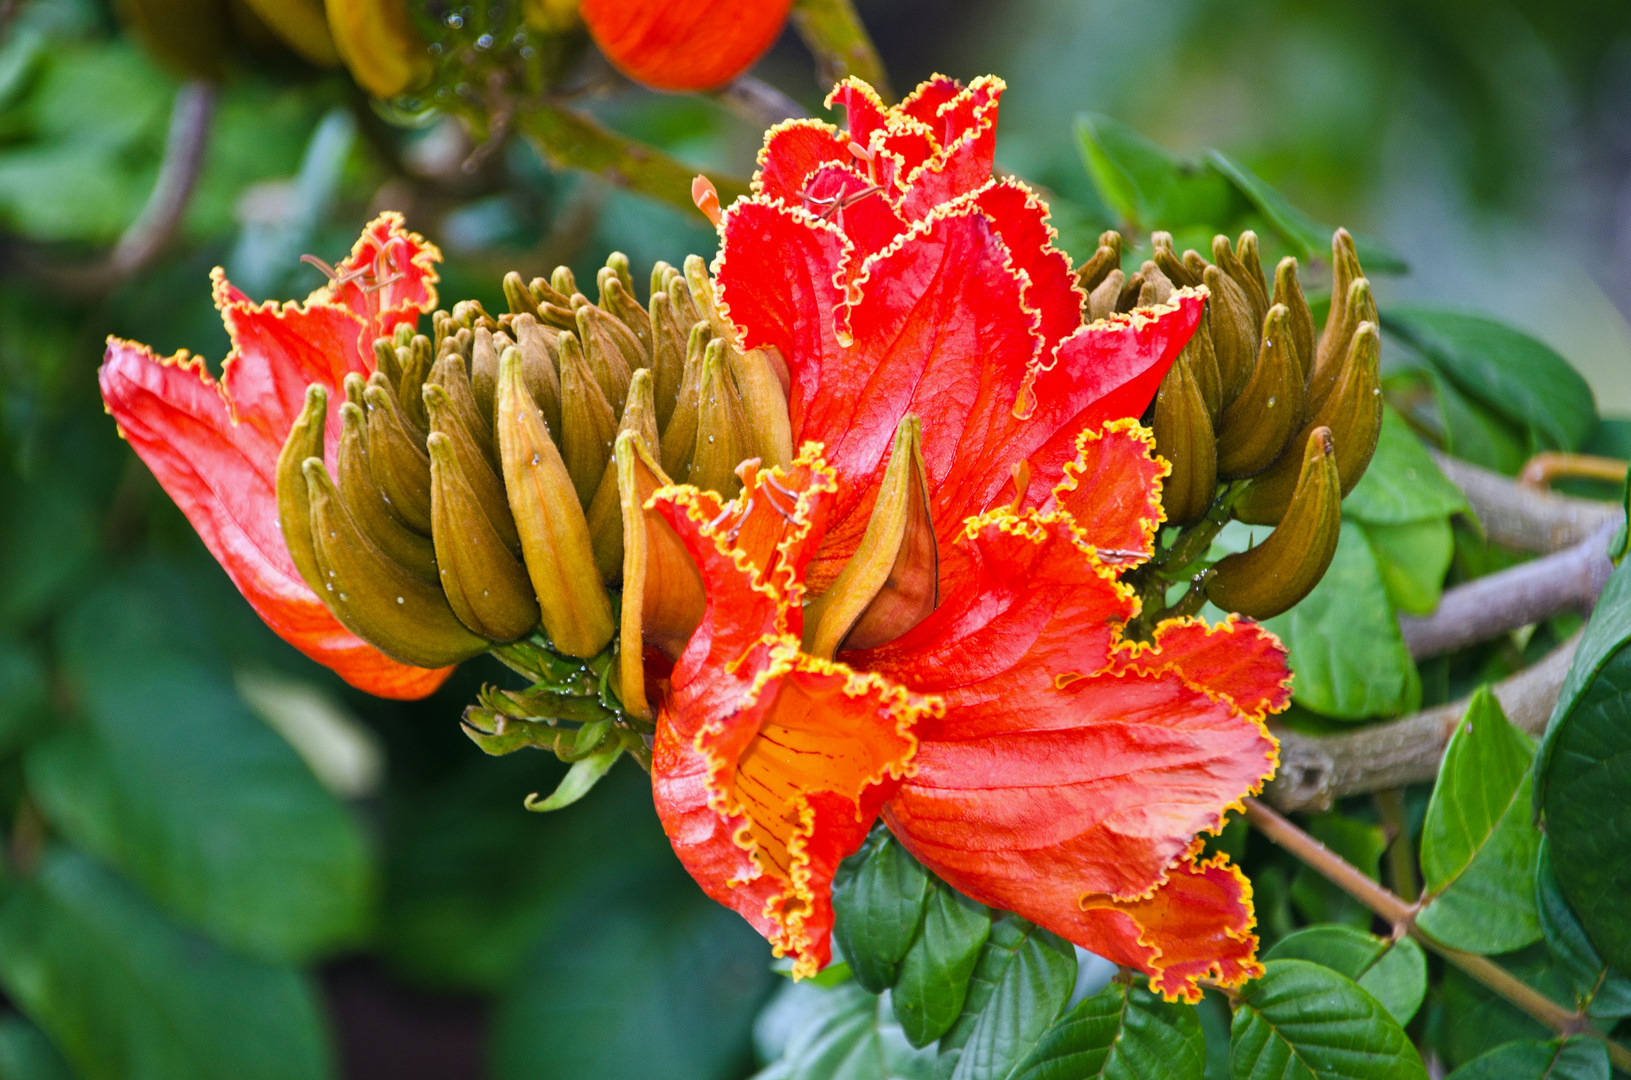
<point>1236,660</point>
<point>389,278</point>
<point>1117,517</point>
<point>923,104</point>
<point>968,146</point>
<point>864,112</point>
<point>792,151</point>
<point>1021,219</point>
<point>221,474</point>
<point>769,766</point>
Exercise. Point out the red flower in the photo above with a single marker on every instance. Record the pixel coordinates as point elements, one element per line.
<point>684,46</point>
<point>214,445</point>
<point>985,702</point>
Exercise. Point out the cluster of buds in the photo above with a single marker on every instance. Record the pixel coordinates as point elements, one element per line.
<point>478,492</point>
<point>1261,417</point>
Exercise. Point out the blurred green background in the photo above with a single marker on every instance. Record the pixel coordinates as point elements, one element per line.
<point>219,860</point>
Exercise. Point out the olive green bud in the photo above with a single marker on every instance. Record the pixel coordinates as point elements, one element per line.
<point>470,314</point>
<point>613,354</point>
<point>1183,436</point>
<point>365,500</point>
<point>520,299</point>
<point>563,282</point>
<point>540,367</point>
<point>1257,425</point>
<point>555,542</point>
<point>416,367</point>
<point>723,437</point>
<point>1234,333</point>
<point>1166,257</point>
<point>403,334</point>
<point>663,595</point>
<point>679,442</point>
<point>668,354</point>
<point>764,403</point>
<point>484,370</point>
<point>618,263</point>
<point>1289,291</point>
<point>305,440</point>
<point>1345,270</point>
<point>486,585</point>
<point>474,466</point>
<point>452,377</point>
<point>1250,279</point>
<point>1285,567</point>
<point>1101,302</point>
<point>685,305</point>
<point>385,361</point>
<point>588,423</point>
<point>1105,259</point>
<point>1196,265</point>
<point>1358,308</point>
<point>616,299</point>
<point>606,509</point>
<point>1157,288</point>
<point>1202,358</point>
<point>403,616</point>
<point>397,460</point>
<point>1353,412</point>
<point>545,293</point>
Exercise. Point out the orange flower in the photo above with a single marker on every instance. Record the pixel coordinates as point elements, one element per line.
<point>970,491</point>
<point>684,46</point>
<point>214,445</point>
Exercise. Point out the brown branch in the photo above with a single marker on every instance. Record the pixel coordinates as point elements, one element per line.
<point>1548,465</point>
<point>757,102</point>
<point>1490,606</point>
<point>1402,915</point>
<point>1317,770</point>
<point>1524,518</point>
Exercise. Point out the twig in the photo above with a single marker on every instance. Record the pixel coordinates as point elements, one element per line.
<point>1402,915</point>
<point>1550,465</point>
<point>757,102</point>
<point>840,43</point>
<point>1571,579</point>
<point>1317,770</point>
<point>1521,517</point>
<point>569,139</point>
<point>1401,859</point>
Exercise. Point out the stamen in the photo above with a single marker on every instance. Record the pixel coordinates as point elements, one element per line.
<point>770,479</point>
<point>736,530</point>
<point>1120,554</point>
<point>730,508</point>
<point>378,285</point>
<point>776,506</point>
<point>1022,483</point>
<point>328,271</point>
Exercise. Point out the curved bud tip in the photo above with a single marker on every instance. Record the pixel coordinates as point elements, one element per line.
<point>706,196</point>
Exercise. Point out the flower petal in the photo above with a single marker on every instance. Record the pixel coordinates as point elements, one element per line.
<point>1113,512</point>
<point>1021,219</point>
<point>389,278</point>
<point>968,146</point>
<point>923,103</point>
<point>221,475</point>
<point>693,46</point>
<point>793,150</point>
<point>769,766</point>
<point>1236,660</point>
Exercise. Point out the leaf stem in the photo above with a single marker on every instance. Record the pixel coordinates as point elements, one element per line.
<point>1401,861</point>
<point>834,33</point>
<point>1351,880</point>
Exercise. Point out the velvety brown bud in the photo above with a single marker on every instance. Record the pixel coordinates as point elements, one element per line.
<point>305,440</point>
<point>563,282</point>
<point>1157,287</point>
<point>668,354</point>
<point>1359,308</point>
<point>1345,270</point>
<point>484,372</point>
<point>486,586</point>
<point>1289,291</point>
<point>723,438</point>
<point>1101,302</point>
<point>478,473</point>
<point>404,617</point>
<point>1202,358</point>
<point>612,351</point>
<point>1167,258</point>
<point>1196,264</point>
<point>385,360</point>
<point>1234,333</point>
<point>452,377</point>
<point>588,424</point>
<point>605,509</point>
<point>518,296</point>
<point>679,440</point>
<point>616,299</point>
<point>1131,290</point>
<point>397,460</point>
<point>545,293</point>
<point>1286,566</point>
<point>365,500</point>
<point>1183,436</point>
<point>415,370</point>
<point>1105,259</point>
<point>555,542</point>
<point>540,367</point>
<point>1256,426</point>
<point>1226,259</point>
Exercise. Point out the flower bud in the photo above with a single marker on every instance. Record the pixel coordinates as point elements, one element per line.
<point>564,284</point>
<point>1255,428</point>
<point>1228,260</point>
<point>518,296</point>
<point>1105,259</point>
<point>556,546</point>
<point>1289,291</point>
<point>1285,567</point>
<point>385,360</point>
<point>1101,302</point>
<point>397,460</point>
<point>365,500</point>
<point>613,354</point>
<point>1353,412</point>
<point>404,617</point>
<point>1166,257</point>
<point>416,367</point>
<point>540,367</point>
<point>1157,286</point>
<point>668,354</point>
<point>764,402</point>
<point>377,41</point>
<point>1345,270</point>
<point>606,509</point>
<point>1234,332</point>
<point>723,438</point>
<point>615,298</point>
<point>452,378</point>
<point>891,583</point>
<point>484,372</point>
<point>1202,359</point>
<point>486,586</point>
<point>305,440</point>
<point>680,436</point>
<point>588,423</point>
<point>478,474</point>
<point>1344,321</point>
<point>1183,436</point>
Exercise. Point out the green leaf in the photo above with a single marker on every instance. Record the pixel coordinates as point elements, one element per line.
<point>1347,654</point>
<point>1479,842</point>
<point>1361,844</point>
<point>1560,1059</point>
<point>584,774</point>
<point>1600,989</point>
<point>127,995</point>
<point>1413,559</point>
<point>26,1054</point>
<point>1307,237</point>
<point>1022,980</point>
<point>1393,972</point>
<point>843,1032</point>
<point>928,997</point>
<point>1302,1020</point>
<point>1476,1019</point>
<point>878,899</point>
<point>1508,371</point>
<point>1124,1032</point>
<point>1402,483</point>
<point>22,692</point>
<point>662,988</point>
<point>174,781</point>
<point>1476,434</point>
<point>1147,185</point>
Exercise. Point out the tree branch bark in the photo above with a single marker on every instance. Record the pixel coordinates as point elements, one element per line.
<point>1525,518</point>
<point>757,102</point>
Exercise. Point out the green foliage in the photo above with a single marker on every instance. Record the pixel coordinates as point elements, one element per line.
<point>126,995</point>
<point>843,1032</point>
<point>1559,1059</point>
<point>934,975</point>
<point>1598,988</point>
<point>1122,1033</point>
<point>1361,844</point>
<point>879,896</point>
<point>1479,842</point>
<point>1304,1020</point>
<point>1393,972</point>
<point>1021,982</point>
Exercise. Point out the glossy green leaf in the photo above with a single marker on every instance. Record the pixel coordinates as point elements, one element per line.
<point>1348,657</point>
<point>584,774</point>
<point>662,989</point>
<point>1022,980</point>
<point>174,781</point>
<point>1307,237</point>
<point>878,900</point>
<point>1402,484</point>
<point>1600,989</point>
<point>1508,371</point>
<point>1608,630</point>
<point>1393,972</point>
<point>1413,558</point>
<point>1479,842</point>
<point>1476,434</point>
<point>1475,1019</point>
<point>127,995</point>
<point>1124,1032</point>
<point>1147,185</point>
<point>816,1034</point>
<point>1303,1021</point>
<point>1572,1059</point>
<point>934,976</point>
<point>1361,844</point>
